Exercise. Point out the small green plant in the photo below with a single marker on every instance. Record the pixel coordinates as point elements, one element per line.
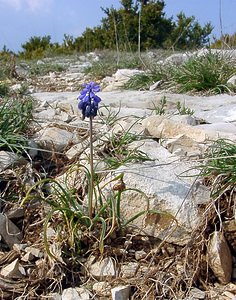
<point>109,117</point>
<point>117,152</point>
<point>183,110</point>
<point>141,81</point>
<point>15,115</point>
<point>153,74</point>
<point>160,109</point>
<point>45,68</point>
<point>23,90</point>
<point>101,69</point>
<point>220,166</point>
<point>69,213</point>
<point>89,106</point>
<point>91,215</point>
<point>208,72</point>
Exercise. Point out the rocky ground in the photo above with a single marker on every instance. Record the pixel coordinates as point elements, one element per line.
<point>187,251</point>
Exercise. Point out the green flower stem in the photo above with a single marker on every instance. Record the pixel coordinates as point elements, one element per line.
<point>90,204</point>
<point>118,207</point>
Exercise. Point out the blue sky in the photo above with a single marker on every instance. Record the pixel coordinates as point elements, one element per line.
<point>21,19</point>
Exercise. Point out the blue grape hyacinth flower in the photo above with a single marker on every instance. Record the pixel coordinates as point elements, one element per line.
<point>88,100</point>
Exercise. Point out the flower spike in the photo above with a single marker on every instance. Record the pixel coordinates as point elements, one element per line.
<point>88,100</point>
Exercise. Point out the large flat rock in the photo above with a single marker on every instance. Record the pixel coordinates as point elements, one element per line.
<point>174,196</point>
<point>216,108</point>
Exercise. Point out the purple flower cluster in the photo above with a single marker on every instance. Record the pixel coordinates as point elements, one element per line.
<point>88,100</point>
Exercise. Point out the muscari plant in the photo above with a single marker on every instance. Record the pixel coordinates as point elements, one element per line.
<point>88,104</point>
<point>63,200</point>
<point>102,215</point>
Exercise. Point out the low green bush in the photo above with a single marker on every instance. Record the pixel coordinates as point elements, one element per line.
<point>208,72</point>
<point>220,166</point>
<point>15,115</point>
<point>45,68</point>
<point>141,81</point>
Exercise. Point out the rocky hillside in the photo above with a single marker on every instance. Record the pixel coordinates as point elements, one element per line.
<point>163,224</point>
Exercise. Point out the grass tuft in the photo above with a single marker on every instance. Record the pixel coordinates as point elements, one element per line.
<point>45,68</point>
<point>220,167</point>
<point>208,72</point>
<point>15,115</point>
<point>109,63</point>
<point>116,151</point>
<point>142,81</point>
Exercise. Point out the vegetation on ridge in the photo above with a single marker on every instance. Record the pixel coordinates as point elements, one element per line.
<point>136,25</point>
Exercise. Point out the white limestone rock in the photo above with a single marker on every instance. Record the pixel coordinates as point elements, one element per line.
<point>101,269</point>
<point>161,127</point>
<point>9,232</point>
<point>123,75</point>
<point>15,213</point>
<point>182,145</point>
<point>128,124</point>
<point>16,87</point>
<point>76,294</point>
<point>22,70</point>
<point>19,247</point>
<point>8,159</point>
<point>44,114</point>
<point>129,270</point>
<point>232,81</point>
<point>102,288</point>
<point>74,151</point>
<point>13,270</point>
<point>121,293</point>
<point>54,138</point>
<point>53,296</point>
<point>72,178</point>
<point>219,127</point>
<point>140,254</point>
<point>219,257</point>
<point>177,59</point>
<point>166,191</point>
<point>28,257</point>
<point>228,53</point>
<point>185,119</point>
<point>155,85</point>
<point>196,293</point>
<point>70,294</point>
<point>74,75</point>
<point>219,112</point>
<point>34,251</point>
